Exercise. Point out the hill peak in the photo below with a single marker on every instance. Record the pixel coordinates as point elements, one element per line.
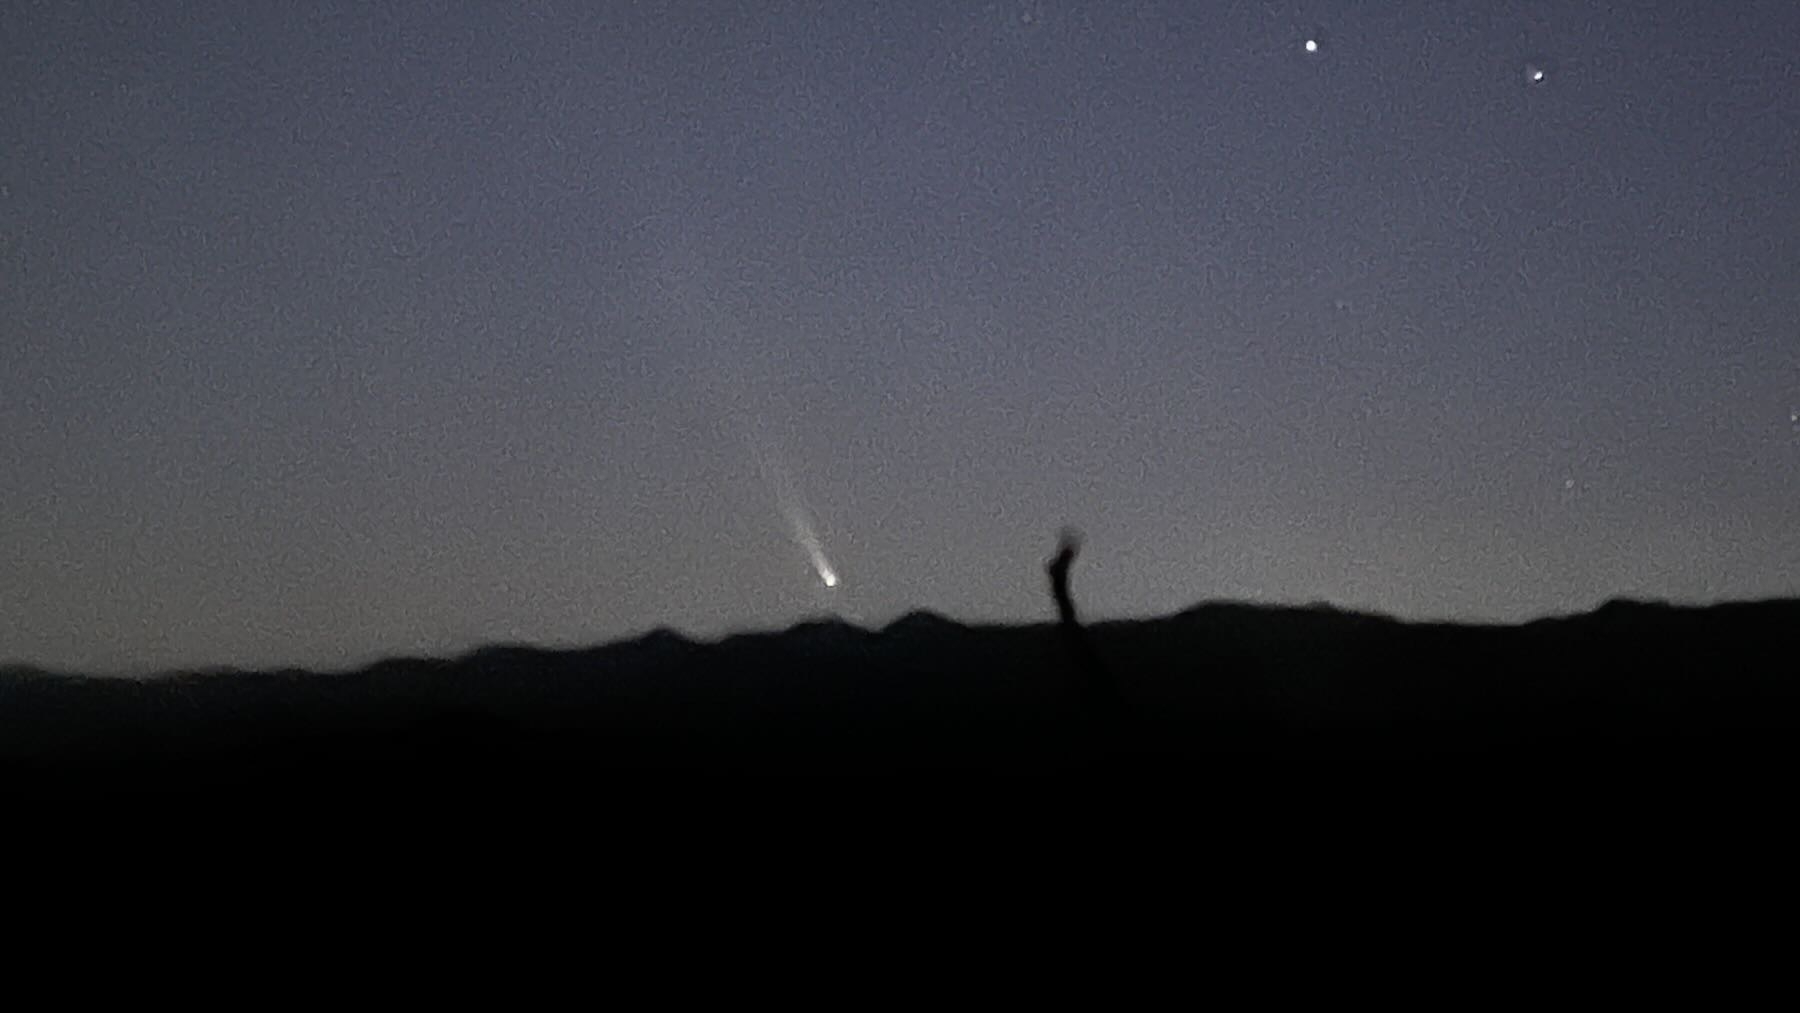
<point>921,621</point>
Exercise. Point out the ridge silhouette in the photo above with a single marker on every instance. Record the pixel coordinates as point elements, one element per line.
<point>1704,692</point>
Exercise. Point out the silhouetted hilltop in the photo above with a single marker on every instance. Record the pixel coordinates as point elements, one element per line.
<point>920,622</point>
<point>925,694</point>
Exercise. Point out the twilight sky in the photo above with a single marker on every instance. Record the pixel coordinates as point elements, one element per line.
<point>331,330</point>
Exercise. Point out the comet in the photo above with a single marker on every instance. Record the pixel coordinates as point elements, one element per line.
<point>822,567</point>
<point>692,287</point>
<point>800,520</point>
<point>809,540</point>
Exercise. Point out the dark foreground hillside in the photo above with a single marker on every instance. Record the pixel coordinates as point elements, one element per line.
<point>1228,696</point>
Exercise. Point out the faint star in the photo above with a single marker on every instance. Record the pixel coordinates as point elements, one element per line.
<point>1312,45</point>
<point>1534,73</point>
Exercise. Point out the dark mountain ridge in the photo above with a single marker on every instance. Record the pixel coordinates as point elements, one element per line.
<point>928,696</point>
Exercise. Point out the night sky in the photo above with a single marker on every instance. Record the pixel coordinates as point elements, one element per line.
<point>330,331</point>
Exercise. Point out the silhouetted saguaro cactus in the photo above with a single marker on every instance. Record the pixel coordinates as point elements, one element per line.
<point>1100,692</point>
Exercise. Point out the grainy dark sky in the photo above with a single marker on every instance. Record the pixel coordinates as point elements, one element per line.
<point>335,330</point>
